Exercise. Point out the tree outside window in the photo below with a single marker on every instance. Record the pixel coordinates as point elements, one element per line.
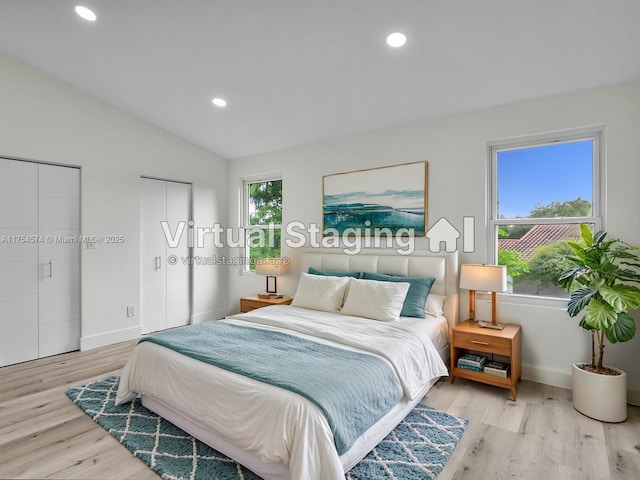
<point>263,219</point>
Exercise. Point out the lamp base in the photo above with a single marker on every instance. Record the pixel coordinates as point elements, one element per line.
<point>270,295</point>
<point>495,326</point>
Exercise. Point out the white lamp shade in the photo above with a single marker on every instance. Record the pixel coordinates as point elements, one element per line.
<point>485,278</point>
<point>271,266</point>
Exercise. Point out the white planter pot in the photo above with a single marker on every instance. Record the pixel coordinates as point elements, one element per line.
<point>602,397</point>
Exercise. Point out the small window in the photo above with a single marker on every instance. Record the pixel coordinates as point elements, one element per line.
<point>262,219</point>
<point>542,189</point>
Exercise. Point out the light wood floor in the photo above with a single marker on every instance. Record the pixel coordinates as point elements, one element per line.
<point>540,436</point>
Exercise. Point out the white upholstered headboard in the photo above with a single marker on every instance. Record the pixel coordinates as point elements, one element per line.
<point>442,266</point>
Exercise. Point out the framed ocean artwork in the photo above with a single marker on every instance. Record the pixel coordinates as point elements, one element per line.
<point>363,201</point>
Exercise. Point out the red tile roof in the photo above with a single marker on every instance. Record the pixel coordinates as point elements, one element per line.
<point>539,235</point>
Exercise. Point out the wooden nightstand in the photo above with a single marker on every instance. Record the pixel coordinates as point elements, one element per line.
<point>251,303</point>
<point>468,336</point>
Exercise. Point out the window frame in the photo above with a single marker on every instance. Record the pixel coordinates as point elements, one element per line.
<point>598,204</point>
<point>245,222</point>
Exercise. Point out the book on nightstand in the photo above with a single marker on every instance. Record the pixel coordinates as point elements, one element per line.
<point>472,362</point>
<point>498,369</point>
<point>469,367</point>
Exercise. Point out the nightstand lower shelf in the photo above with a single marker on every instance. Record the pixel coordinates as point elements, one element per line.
<point>496,381</point>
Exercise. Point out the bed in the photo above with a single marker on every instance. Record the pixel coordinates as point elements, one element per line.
<point>281,434</point>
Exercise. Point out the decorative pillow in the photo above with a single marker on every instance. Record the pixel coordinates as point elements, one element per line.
<point>377,300</point>
<point>435,305</point>
<point>333,273</point>
<point>318,292</point>
<point>414,304</point>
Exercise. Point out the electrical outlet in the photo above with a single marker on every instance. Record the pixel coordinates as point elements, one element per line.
<point>131,310</point>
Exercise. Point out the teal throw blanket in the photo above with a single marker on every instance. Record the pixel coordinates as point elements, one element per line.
<point>353,389</point>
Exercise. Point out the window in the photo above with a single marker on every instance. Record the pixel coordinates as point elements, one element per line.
<point>542,188</point>
<point>262,219</point>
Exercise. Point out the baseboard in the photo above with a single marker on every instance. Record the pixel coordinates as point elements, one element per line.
<point>633,397</point>
<point>205,317</point>
<point>562,378</point>
<point>556,378</point>
<point>109,338</point>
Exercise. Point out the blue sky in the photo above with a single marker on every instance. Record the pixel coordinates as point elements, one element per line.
<point>543,175</point>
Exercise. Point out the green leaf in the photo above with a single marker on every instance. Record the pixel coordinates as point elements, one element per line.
<point>566,278</point>
<point>623,253</point>
<point>608,270</point>
<point>598,237</point>
<point>579,299</point>
<point>622,298</point>
<point>599,315</point>
<point>631,264</point>
<point>587,235</point>
<point>605,246</point>
<point>626,275</point>
<point>585,325</point>
<point>623,330</point>
<point>596,283</point>
<point>577,249</point>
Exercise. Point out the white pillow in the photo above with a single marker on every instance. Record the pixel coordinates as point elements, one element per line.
<point>319,292</point>
<point>374,299</point>
<point>435,305</point>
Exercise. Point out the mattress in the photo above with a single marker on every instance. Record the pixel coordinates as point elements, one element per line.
<point>272,431</point>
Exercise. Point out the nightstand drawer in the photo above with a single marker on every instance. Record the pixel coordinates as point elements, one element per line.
<point>482,343</point>
<point>251,303</point>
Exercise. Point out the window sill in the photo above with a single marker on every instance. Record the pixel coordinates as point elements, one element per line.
<point>534,301</point>
<point>528,300</point>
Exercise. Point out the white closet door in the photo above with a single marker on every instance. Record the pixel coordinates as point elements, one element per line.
<point>153,255</point>
<point>18,261</point>
<point>59,262</point>
<point>165,280</point>
<point>178,273</point>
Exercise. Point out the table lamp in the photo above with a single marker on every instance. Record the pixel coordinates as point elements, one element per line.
<point>485,278</point>
<point>271,267</point>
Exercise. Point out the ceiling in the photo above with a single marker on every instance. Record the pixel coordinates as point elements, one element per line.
<point>300,71</point>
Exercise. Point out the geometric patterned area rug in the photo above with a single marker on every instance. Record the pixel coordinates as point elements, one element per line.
<point>417,449</point>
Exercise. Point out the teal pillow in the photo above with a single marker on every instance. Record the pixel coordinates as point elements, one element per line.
<point>416,298</point>
<point>332,273</point>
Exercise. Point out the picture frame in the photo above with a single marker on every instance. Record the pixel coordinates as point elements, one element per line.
<point>392,197</point>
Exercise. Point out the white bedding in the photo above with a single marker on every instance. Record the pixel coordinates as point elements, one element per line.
<point>277,426</point>
<point>435,329</point>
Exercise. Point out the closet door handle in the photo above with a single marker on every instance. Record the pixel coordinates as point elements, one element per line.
<point>50,269</point>
<point>158,262</point>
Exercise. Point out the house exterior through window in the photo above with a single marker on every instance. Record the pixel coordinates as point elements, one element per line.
<point>541,189</point>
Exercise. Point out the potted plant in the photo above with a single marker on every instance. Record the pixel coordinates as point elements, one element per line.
<point>601,286</point>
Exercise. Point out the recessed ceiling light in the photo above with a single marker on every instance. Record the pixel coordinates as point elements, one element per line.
<point>219,102</point>
<point>396,39</point>
<point>86,13</point>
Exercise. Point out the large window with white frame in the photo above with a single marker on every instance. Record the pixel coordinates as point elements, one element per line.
<point>262,219</point>
<point>541,189</point>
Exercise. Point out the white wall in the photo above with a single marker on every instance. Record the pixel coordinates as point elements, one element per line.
<point>456,148</point>
<point>44,120</point>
